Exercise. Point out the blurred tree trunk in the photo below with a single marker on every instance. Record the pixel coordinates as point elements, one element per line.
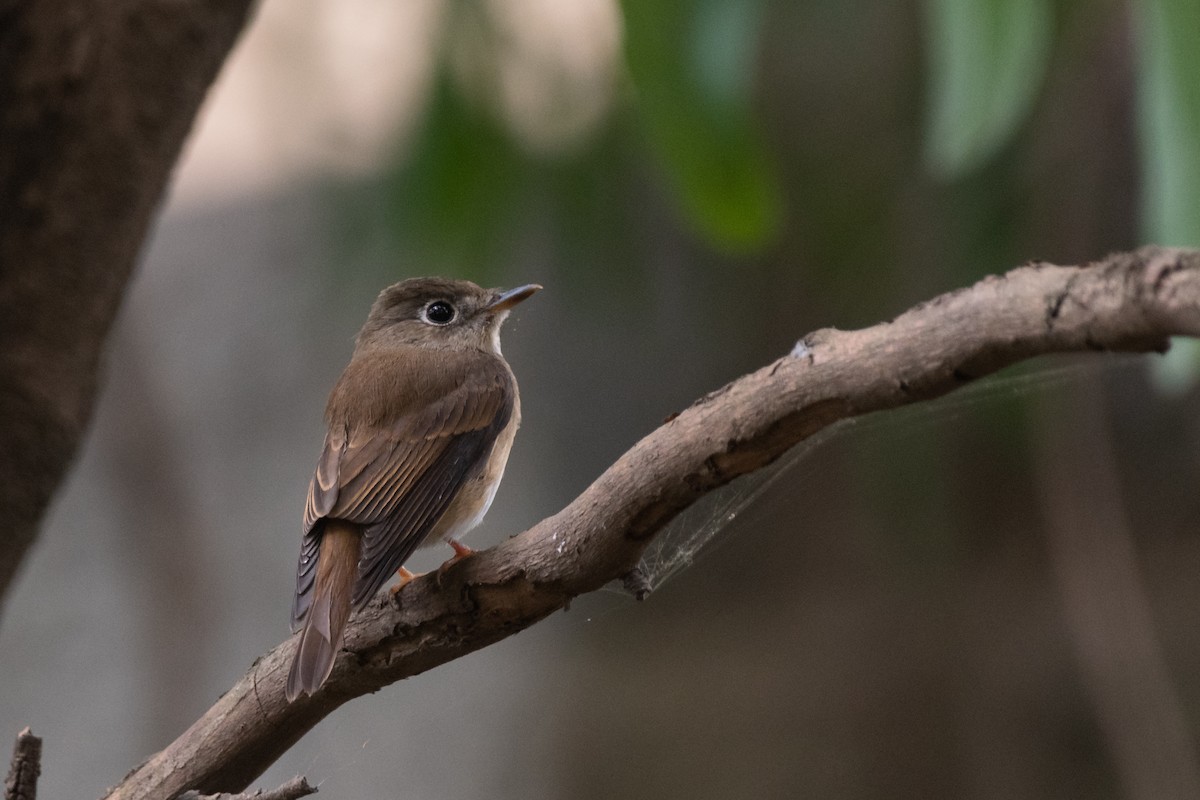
<point>97,100</point>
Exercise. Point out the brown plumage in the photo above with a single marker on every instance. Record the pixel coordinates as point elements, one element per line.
<point>419,429</point>
<point>334,583</point>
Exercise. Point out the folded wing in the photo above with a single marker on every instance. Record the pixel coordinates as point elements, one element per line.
<point>397,474</point>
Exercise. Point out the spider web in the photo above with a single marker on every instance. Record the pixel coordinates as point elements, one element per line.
<point>700,526</point>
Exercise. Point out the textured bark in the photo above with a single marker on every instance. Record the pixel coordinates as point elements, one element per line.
<point>97,100</point>
<point>1128,302</point>
<point>292,790</point>
<point>25,768</point>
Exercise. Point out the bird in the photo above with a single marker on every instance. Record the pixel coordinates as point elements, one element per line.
<point>418,431</point>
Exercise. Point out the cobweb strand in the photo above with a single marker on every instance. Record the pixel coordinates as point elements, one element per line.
<point>695,529</point>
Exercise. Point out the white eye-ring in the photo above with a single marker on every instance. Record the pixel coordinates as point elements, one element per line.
<point>439,312</point>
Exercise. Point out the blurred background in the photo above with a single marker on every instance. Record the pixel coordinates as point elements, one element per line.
<point>989,597</point>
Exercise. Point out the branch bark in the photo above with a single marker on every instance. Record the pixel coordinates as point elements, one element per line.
<point>25,767</point>
<point>98,98</point>
<point>1127,302</point>
<point>292,790</point>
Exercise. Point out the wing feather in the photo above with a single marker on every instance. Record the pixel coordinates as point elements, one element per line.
<point>396,476</point>
<point>387,545</point>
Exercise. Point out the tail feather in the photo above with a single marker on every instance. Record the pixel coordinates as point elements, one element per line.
<point>321,636</point>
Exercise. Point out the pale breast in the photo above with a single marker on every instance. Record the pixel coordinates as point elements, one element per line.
<point>475,498</point>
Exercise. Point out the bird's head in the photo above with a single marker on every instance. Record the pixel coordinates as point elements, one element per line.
<point>440,313</point>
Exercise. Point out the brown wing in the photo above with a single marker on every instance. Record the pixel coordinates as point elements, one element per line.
<point>397,476</point>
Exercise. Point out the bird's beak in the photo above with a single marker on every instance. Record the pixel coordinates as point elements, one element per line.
<point>505,300</point>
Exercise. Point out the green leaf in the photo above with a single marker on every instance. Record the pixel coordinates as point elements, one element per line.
<point>1169,120</point>
<point>692,65</point>
<point>456,196</point>
<point>986,63</point>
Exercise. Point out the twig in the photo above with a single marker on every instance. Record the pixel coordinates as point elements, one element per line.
<point>1127,302</point>
<point>292,790</point>
<point>25,768</point>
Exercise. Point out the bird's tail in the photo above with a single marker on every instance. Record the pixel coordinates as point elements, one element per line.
<point>321,637</point>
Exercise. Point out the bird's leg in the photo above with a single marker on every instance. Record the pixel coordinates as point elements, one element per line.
<point>405,577</point>
<point>460,550</point>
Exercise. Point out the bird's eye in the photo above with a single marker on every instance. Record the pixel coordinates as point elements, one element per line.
<point>439,312</point>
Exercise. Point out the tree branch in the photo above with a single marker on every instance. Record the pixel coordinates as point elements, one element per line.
<point>1128,302</point>
<point>292,790</point>
<point>98,98</point>
<point>25,767</point>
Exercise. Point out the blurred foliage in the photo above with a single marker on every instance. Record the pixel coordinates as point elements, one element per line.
<point>1169,120</point>
<point>692,66</point>
<point>466,178</point>
<point>686,107</point>
<point>683,108</point>
<point>691,111</point>
<point>687,98</point>
<point>987,60</point>
<point>468,194</point>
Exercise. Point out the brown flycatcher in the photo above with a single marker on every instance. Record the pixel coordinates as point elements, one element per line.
<point>419,428</point>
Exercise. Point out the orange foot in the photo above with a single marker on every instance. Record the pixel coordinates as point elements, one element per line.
<point>405,577</point>
<point>460,549</point>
